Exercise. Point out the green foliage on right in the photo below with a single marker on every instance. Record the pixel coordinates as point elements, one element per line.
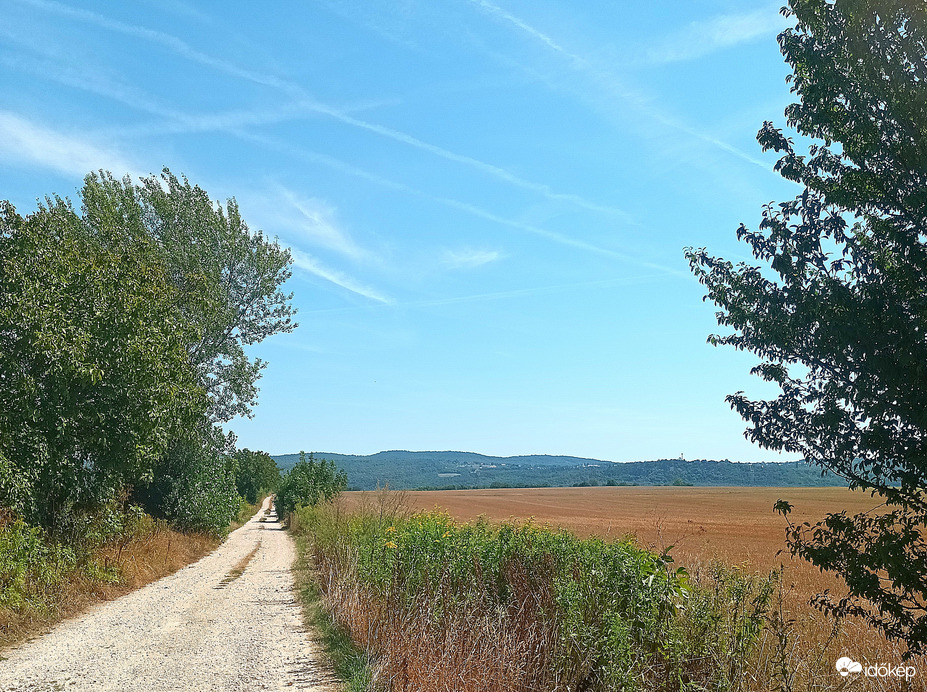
<point>308,483</point>
<point>836,308</point>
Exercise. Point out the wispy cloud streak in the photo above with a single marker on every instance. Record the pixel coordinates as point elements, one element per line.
<point>612,83</point>
<point>184,50</point>
<point>534,291</point>
<point>556,237</point>
<point>175,45</point>
<point>577,60</point>
<point>472,209</point>
<point>505,295</point>
<point>308,263</point>
<point>315,221</point>
<point>26,142</point>
<point>469,258</point>
<point>703,38</point>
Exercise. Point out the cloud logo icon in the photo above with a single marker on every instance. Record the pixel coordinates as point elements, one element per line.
<point>847,665</point>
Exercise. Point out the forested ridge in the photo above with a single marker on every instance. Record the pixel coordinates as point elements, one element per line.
<point>460,470</point>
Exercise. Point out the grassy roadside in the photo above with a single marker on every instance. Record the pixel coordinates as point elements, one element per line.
<point>348,661</point>
<point>42,583</point>
<point>56,589</point>
<point>507,606</point>
<point>441,605</point>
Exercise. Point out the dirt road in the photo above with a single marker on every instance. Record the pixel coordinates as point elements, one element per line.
<point>228,622</point>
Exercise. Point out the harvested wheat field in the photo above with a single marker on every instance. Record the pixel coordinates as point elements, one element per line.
<point>735,525</point>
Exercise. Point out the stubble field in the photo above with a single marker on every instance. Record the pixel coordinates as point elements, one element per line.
<point>735,525</point>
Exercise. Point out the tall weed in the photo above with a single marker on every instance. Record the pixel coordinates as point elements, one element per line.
<point>518,606</point>
<point>30,565</point>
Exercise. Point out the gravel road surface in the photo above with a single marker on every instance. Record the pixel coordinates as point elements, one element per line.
<point>228,622</point>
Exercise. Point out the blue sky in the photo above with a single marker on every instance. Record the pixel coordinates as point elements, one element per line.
<point>487,202</point>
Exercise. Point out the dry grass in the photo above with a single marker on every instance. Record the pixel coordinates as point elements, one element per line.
<point>138,561</point>
<point>239,569</point>
<point>441,607</point>
<point>467,651</point>
<point>734,525</point>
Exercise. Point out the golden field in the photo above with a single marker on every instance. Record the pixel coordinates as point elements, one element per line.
<point>735,525</point>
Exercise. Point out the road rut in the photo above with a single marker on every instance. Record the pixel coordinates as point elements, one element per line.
<point>230,621</point>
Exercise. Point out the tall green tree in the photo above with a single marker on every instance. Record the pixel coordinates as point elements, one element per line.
<point>256,473</point>
<point>226,280</point>
<point>227,275</point>
<point>308,483</point>
<point>123,330</point>
<point>95,378</point>
<point>838,314</point>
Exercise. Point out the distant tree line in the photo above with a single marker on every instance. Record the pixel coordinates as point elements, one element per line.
<point>421,471</point>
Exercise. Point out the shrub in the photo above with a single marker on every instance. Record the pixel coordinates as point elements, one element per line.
<point>308,483</point>
<point>195,485</point>
<point>519,606</point>
<point>29,564</point>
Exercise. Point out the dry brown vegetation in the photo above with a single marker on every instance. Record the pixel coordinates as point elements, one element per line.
<point>138,561</point>
<point>734,525</point>
<point>737,525</point>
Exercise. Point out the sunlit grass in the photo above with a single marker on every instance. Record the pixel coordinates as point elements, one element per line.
<point>516,606</point>
<point>42,581</point>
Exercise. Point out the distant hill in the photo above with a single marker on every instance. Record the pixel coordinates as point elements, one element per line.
<point>404,470</point>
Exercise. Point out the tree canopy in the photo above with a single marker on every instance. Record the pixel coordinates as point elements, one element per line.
<point>123,330</point>
<point>308,483</point>
<point>227,277</point>
<point>838,315</point>
<point>94,373</point>
<point>256,473</point>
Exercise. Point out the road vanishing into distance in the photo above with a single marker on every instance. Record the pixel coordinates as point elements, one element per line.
<point>230,621</point>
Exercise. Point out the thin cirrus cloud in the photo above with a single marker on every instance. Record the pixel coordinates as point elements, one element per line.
<point>468,258</point>
<point>700,39</point>
<point>49,66</point>
<point>21,140</point>
<point>52,66</point>
<point>506,295</point>
<point>314,220</point>
<point>184,50</point>
<point>309,264</point>
<point>74,155</point>
<point>495,10</point>
<point>471,209</point>
<point>741,28</point>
